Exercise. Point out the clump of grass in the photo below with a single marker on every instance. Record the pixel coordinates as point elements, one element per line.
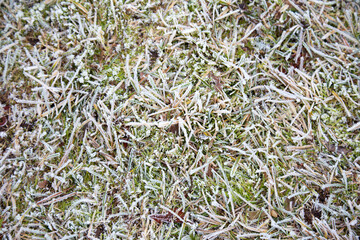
<point>179,119</point>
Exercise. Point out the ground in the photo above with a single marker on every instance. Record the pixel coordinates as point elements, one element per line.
<point>201,119</point>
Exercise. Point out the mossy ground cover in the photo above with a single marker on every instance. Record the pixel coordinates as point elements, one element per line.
<point>179,119</point>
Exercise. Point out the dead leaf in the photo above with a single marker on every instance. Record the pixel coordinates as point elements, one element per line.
<point>218,83</point>
<point>338,149</point>
<point>273,213</point>
<point>3,121</point>
<point>174,129</point>
<point>162,218</point>
<point>258,214</point>
<point>43,184</point>
<point>180,213</point>
<point>167,218</point>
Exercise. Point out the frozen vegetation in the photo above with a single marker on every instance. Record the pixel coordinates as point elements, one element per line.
<point>199,119</point>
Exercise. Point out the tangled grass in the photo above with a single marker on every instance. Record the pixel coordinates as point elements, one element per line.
<point>199,119</point>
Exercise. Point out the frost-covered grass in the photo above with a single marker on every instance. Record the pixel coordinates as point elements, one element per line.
<point>201,119</point>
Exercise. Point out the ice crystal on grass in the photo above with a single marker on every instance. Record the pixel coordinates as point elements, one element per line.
<point>179,119</point>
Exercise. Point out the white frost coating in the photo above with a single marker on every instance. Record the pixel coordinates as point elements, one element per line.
<point>354,127</point>
<point>115,118</point>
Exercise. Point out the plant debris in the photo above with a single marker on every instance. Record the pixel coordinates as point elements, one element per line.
<point>311,213</point>
<point>169,217</point>
<point>43,184</point>
<point>99,230</point>
<point>174,128</point>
